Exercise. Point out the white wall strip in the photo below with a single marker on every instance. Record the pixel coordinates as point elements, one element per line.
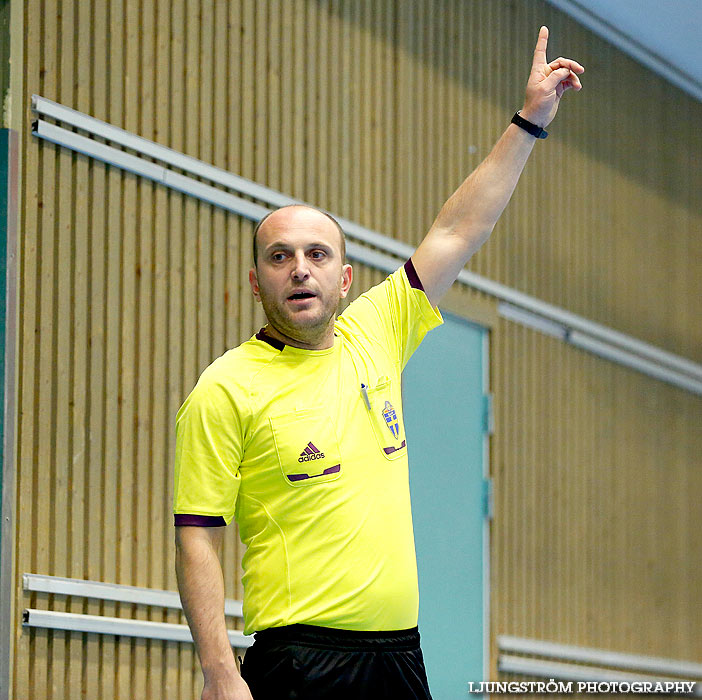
<point>631,662</point>
<point>622,357</point>
<point>571,672</point>
<point>150,149</point>
<point>114,592</point>
<point>538,323</point>
<point>148,170</point>
<point>97,624</point>
<point>381,258</point>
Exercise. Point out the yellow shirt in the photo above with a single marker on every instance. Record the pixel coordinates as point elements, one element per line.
<point>306,448</point>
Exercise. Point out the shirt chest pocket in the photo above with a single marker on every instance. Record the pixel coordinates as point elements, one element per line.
<point>385,414</point>
<point>306,446</point>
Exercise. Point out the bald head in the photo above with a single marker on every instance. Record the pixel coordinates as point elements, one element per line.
<point>297,216</point>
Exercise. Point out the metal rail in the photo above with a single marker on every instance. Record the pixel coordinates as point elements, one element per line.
<point>115,592</point>
<point>120,627</point>
<point>614,659</point>
<point>101,624</point>
<point>588,335</point>
<point>554,670</point>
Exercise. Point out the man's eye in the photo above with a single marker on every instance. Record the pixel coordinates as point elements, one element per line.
<point>278,257</point>
<point>317,254</point>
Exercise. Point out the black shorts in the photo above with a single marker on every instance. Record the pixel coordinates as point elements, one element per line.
<point>305,662</point>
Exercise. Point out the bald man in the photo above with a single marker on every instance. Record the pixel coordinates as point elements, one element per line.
<point>298,434</point>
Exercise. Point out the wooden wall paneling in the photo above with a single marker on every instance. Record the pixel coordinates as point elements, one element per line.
<point>524,556</point>
<point>60,317</point>
<point>423,160</point>
<point>127,676</point>
<point>108,203</point>
<point>112,681</point>
<point>91,67</point>
<point>219,219</point>
<point>214,115</point>
<point>78,362</point>
<point>417,101</point>
<point>275,120</point>
<point>162,416</point>
<point>258,128</point>
<point>402,129</point>
<point>239,231</point>
<point>294,90</point>
<point>320,135</point>
<point>315,102</point>
<point>172,96</point>
<point>554,378</point>
<point>81,646</point>
<point>473,18</point>
<point>232,131</point>
<point>547,540</point>
<point>343,142</point>
<point>249,117</point>
<point>191,253</point>
<point>388,118</point>
<point>203,238</point>
<point>581,469</point>
<point>161,659</point>
<point>190,260</point>
<point>367,101</point>
<point>358,103</point>
<point>145,522</point>
<point>455,126</point>
<point>284,111</point>
<point>373,104</point>
<point>178,657</point>
<point>536,478</point>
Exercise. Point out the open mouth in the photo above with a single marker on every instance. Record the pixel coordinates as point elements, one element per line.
<point>301,295</point>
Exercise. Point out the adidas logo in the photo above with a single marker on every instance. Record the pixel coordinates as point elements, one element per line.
<point>309,453</point>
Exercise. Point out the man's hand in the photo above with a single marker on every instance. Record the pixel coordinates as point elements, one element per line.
<point>230,686</point>
<point>547,83</point>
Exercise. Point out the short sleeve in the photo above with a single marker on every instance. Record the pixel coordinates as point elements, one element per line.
<point>396,312</point>
<point>209,448</point>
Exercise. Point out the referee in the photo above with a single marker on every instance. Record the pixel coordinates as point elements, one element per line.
<point>298,434</point>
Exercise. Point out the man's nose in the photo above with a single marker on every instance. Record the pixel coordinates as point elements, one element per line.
<point>301,270</point>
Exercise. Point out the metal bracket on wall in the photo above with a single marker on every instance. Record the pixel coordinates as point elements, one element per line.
<point>488,414</point>
<point>488,502</point>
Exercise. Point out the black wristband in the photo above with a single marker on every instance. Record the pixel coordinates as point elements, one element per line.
<point>534,130</point>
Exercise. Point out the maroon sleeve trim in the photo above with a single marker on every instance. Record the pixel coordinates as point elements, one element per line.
<point>199,520</point>
<point>412,276</point>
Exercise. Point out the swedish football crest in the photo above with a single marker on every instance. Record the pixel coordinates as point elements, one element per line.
<point>390,416</point>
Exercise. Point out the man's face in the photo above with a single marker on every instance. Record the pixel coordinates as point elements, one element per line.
<point>300,276</point>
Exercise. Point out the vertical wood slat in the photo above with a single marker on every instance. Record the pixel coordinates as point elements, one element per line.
<point>370,110</point>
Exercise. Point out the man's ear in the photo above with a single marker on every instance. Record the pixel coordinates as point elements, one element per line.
<point>253,281</point>
<point>346,279</point>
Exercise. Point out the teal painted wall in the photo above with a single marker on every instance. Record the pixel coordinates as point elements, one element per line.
<point>443,408</point>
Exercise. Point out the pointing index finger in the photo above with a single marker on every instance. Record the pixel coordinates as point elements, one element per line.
<point>540,50</point>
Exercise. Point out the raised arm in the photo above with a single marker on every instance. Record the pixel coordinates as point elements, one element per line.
<point>202,593</point>
<point>468,217</point>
